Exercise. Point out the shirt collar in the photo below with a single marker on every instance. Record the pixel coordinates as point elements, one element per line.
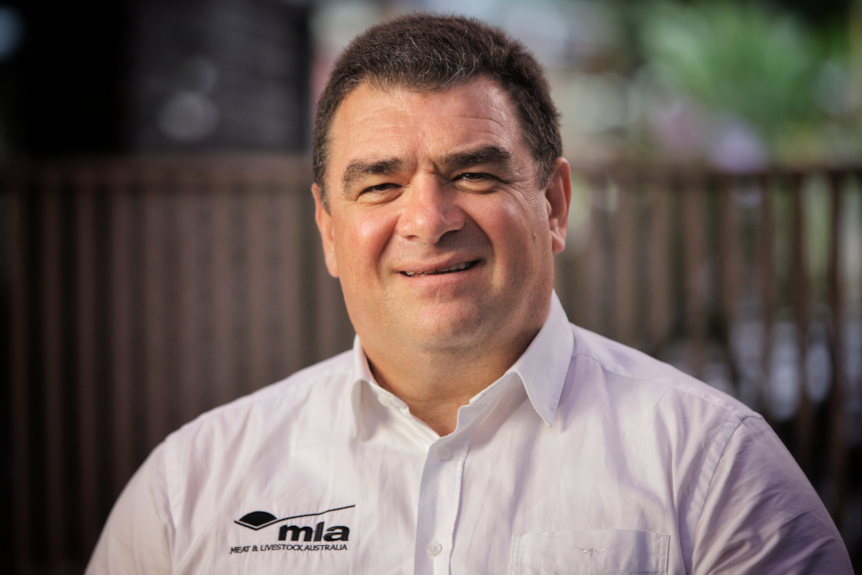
<point>545,363</point>
<point>542,368</point>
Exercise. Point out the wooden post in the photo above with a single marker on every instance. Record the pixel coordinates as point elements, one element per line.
<point>53,408</point>
<point>766,284</point>
<point>659,313</point>
<point>729,263</point>
<point>624,286</point>
<point>87,354</point>
<point>191,288</point>
<point>695,285</point>
<point>801,308</point>
<point>123,451</point>
<point>22,337</point>
<point>837,436</point>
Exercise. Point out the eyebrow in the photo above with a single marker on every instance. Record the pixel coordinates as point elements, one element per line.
<point>378,167</point>
<point>490,154</point>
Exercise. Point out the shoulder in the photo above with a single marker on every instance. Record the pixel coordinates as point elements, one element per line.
<point>312,388</point>
<point>735,480</point>
<point>202,466</point>
<point>653,416</point>
<point>296,387</point>
<point>629,373</point>
<point>216,448</point>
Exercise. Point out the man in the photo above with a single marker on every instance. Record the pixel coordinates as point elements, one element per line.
<point>471,429</point>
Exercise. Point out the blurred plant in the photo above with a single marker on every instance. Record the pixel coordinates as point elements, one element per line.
<point>753,78</point>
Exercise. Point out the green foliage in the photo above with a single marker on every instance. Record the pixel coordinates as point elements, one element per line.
<point>734,58</point>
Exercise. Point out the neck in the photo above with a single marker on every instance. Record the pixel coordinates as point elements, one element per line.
<point>436,383</point>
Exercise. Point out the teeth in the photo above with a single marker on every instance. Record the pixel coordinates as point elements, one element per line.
<point>455,268</point>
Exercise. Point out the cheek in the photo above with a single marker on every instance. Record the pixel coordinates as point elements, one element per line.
<point>362,241</point>
<point>511,223</point>
<point>520,236</point>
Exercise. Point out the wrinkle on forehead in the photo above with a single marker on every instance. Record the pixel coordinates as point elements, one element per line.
<point>369,111</point>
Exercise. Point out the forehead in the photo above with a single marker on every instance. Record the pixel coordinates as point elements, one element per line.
<point>374,123</point>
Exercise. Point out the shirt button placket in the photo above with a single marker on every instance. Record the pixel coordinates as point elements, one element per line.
<point>439,499</point>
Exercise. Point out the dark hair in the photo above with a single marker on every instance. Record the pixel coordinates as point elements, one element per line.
<point>434,52</point>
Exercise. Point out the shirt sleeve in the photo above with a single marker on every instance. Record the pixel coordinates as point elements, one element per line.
<point>139,534</point>
<point>761,515</point>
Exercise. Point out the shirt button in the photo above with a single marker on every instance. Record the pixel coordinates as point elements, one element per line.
<point>433,549</point>
<point>444,453</point>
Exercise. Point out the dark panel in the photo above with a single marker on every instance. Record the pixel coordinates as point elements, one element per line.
<point>70,70</point>
<point>218,75</point>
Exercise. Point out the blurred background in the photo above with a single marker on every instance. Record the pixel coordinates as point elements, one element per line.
<point>158,255</point>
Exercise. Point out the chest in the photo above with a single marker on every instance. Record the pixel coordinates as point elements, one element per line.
<point>500,504</point>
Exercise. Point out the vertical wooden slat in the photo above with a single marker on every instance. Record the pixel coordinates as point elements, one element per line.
<point>729,265</point>
<point>800,297</point>
<point>837,414</point>
<point>189,279</point>
<point>603,266</point>
<point>223,318</point>
<point>122,398</point>
<point>766,282</point>
<point>659,314</point>
<point>856,178</point>
<point>155,372</point>
<point>624,287</point>
<point>590,273</point>
<point>52,353</point>
<point>20,408</point>
<point>257,214</point>
<point>88,414</point>
<point>170,193</point>
<point>695,285</point>
<point>292,353</point>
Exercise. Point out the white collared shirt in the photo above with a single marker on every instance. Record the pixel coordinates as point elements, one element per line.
<point>585,457</point>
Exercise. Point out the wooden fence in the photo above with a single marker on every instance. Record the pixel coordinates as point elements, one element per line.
<point>146,291</point>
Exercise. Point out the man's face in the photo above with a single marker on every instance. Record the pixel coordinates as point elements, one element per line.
<point>436,225</point>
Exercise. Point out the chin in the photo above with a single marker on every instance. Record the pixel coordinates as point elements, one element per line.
<point>455,331</point>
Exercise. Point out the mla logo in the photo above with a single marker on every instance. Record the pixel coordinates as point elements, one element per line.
<point>257,520</point>
<point>337,533</point>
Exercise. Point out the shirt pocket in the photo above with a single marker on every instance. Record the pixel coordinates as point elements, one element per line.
<point>607,552</point>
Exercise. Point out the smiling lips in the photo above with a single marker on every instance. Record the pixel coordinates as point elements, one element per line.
<point>456,268</point>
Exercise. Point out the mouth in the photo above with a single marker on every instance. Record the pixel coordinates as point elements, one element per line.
<point>452,269</point>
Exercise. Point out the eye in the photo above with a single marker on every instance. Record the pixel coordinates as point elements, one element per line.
<point>474,177</point>
<point>378,193</point>
<point>476,182</point>
<point>380,188</point>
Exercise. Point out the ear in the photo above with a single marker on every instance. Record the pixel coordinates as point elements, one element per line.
<point>558,198</point>
<point>324,225</point>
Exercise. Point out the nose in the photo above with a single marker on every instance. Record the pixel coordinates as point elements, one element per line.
<point>429,211</point>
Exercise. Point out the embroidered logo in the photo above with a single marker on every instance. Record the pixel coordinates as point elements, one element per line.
<point>590,551</point>
<point>335,537</point>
